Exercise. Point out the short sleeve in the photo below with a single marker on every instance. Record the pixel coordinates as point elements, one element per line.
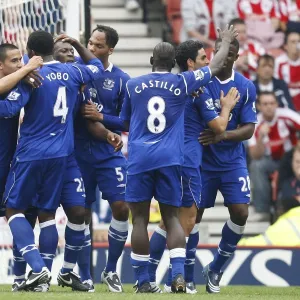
<point>248,112</point>
<point>194,80</point>
<point>205,107</point>
<point>15,101</point>
<point>126,108</point>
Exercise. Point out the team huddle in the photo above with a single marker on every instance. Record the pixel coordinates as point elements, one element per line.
<point>186,134</point>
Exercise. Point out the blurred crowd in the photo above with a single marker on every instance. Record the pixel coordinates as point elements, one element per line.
<point>269,37</point>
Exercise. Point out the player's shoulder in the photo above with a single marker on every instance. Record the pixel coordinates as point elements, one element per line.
<point>119,72</point>
<point>242,81</point>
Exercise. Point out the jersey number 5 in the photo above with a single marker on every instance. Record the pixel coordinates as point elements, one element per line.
<point>60,107</point>
<point>156,121</point>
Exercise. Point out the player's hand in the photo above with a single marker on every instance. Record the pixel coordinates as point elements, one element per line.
<point>264,130</point>
<point>34,63</point>
<point>208,137</point>
<point>89,111</point>
<point>65,39</point>
<point>228,34</point>
<point>231,99</point>
<point>34,79</point>
<point>115,140</point>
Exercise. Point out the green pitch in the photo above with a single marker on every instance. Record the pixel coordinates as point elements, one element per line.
<point>228,293</point>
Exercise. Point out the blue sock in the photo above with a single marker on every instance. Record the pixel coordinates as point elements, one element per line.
<point>24,240</point>
<point>231,234</point>
<point>117,236</point>
<point>177,259</point>
<point>169,278</point>
<point>48,241</point>
<point>191,247</point>
<point>74,236</point>
<point>19,266</point>
<point>157,248</point>
<point>84,257</point>
<point>140,268</point>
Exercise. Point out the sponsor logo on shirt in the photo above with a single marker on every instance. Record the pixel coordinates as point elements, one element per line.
<point>93,92</point>
<point>199,75</point>
<point>210,104</point>
<point>13,96</point>
<point>94,69</point>
<point>108,84</point>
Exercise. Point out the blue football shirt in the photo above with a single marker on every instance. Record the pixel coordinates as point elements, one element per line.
<point>230,155</point>
<point>154,106</point>
<point>107,93</point>
<point>47,128</point>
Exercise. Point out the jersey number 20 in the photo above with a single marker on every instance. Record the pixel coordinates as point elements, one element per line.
<point>156,121</point>
<point>60,107</point>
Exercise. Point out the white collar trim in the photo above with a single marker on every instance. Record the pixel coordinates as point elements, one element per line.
<point>227,80</point>
<point>109,68</point>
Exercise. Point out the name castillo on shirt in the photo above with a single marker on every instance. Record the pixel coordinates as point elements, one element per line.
<point>157,84</point>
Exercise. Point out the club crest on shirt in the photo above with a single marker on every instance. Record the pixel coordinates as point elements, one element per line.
<point>108,84</point>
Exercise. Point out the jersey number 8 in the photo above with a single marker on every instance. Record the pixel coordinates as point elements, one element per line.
<point>60,107</point>
<point>156,121</point>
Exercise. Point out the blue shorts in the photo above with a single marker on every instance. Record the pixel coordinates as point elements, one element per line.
<point>111,181</point>
<point>73,192</point>
<point>164,184</point>
<point>234,186</point>
<point>35,183</point>
<point>191,185</point>
<point>4,170</point>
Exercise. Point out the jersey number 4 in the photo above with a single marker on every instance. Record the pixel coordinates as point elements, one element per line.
<point>156,121</point>
<point>60,107</point>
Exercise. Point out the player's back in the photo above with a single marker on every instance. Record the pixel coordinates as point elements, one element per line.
<point>227,155</point>
<point>157,117</point>
<point>47,128</point>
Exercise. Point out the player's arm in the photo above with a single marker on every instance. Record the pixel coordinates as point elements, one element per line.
<point>89,111</point>
<point>227,36</point>
<point>205,106</point>
<point>99,132</point>
<point>248,120</point>
<point>8,82</point>
<point>125,114</point>
<point>15,101</point>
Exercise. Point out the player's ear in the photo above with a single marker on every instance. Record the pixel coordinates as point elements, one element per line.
<point>236,57</point>
<point>110,51</point>
<point>190,63</point>
<point>151,60</point>
<point>174,63</point>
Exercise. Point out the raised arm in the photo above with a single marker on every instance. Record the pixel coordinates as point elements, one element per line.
<point>8,82</point>
<point>227,36</point>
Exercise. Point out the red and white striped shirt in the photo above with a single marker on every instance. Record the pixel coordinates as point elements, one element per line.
<point>289,10</point>
<point>282,134</point>
<point>262,9</point>
<point>289,71</point>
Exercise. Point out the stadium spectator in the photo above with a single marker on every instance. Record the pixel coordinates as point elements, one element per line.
<point>249,51</point>
<point>285,231</point>
<point>290,15</point>
<point>260,14</point>
<point>265,82</point>
<point>285,168</point>
<point>287,66</point>
<point>274,135</point>
<point>201,18</point>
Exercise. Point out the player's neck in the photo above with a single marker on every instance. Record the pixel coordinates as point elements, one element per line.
<point>48,58</point>
<point>160,69</point>
<point>225,74</point>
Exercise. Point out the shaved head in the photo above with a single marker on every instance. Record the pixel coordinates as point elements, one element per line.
<point>163,56</point>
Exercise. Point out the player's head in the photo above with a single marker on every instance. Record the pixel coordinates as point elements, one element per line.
<point>190,55</point>
<point>40,43</point>
<point>267,105</point>
<point>163,57</point>
<point>103,41</point>
<point>265,68</point>
<point>240,26</point>
<point>63,52</point>
<point>10,59</point>
<point>233,53</point>
<point>291,44</point>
